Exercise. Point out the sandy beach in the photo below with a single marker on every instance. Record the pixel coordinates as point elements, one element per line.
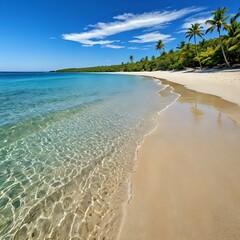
<point>225,84</point>
<point>186,184</point>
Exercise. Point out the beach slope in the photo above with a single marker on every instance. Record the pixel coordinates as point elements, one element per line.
<point>186,184</point>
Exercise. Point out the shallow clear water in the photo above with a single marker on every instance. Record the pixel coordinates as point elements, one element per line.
<point>67,147</point>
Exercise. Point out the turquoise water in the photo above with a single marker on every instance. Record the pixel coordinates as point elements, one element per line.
<point>67,149</point>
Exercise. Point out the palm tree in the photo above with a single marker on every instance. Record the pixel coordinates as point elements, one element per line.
<point>219,21</point>
<point>194,31</point>
<point>181,45</point>
<point>131,58</point>
<point>234,33</point>
<point>202,43</point>
<point>163,54</point>
<point>160,45</point>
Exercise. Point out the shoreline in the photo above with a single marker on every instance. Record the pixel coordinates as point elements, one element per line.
<point>224,83</point>
<point>136,157</point>
<point>135,225</point>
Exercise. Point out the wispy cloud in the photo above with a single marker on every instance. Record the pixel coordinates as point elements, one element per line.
<point>152,37</point>
<point>124,16</point>
<point>133,48</point>
<point>191,21</point>
<point>52,38</point>
<point>150,45</point>
<point>114,46</point>
<point>200,18</point>
<point>145,47</point>
<point>126,22</point>
<point>157,27</point>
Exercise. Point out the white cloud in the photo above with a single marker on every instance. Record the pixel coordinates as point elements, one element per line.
<point>157,27</point>
<point>188,23</point>
<point>152,37</point>
<point>113,46</point>
<point>182,31</point>
<point>200,18</point>
<point>150,45</point>
<point>141,48</point>
<point>133,48</point>
<point>126,22</point>
<point>124,16</point>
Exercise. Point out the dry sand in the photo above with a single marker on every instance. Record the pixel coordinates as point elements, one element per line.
<point>186,184</point>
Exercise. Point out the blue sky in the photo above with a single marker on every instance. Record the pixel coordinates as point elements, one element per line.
<point>52,34</point>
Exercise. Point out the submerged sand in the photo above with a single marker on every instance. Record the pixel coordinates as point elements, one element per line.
<point>186,185</point>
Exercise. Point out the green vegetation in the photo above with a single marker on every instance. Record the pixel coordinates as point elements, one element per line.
<point>221,51</point>
<point>194,31</point>
<point>219,21</point>
<point>131,58</point>
<point>160,45</point>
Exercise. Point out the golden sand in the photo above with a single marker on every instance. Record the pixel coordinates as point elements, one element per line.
<point>186,185</point>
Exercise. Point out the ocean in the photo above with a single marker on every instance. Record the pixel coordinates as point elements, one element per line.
<point>68,146</point>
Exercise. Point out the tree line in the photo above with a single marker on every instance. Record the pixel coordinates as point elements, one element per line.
<point>221,51</point>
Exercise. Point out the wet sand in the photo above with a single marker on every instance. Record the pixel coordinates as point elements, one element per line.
<point>186,184</point>
<point>222,83</point>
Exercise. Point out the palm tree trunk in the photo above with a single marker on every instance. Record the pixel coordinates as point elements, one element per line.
<point>225,58</point>
<point>197,53</point>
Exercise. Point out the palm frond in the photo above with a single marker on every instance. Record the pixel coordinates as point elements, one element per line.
<point>189,36</point>
<point>211,22</point>
<point>235,47</point>
<point>210,29</point>
<point>237,15</point>
<point>226,18</point>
